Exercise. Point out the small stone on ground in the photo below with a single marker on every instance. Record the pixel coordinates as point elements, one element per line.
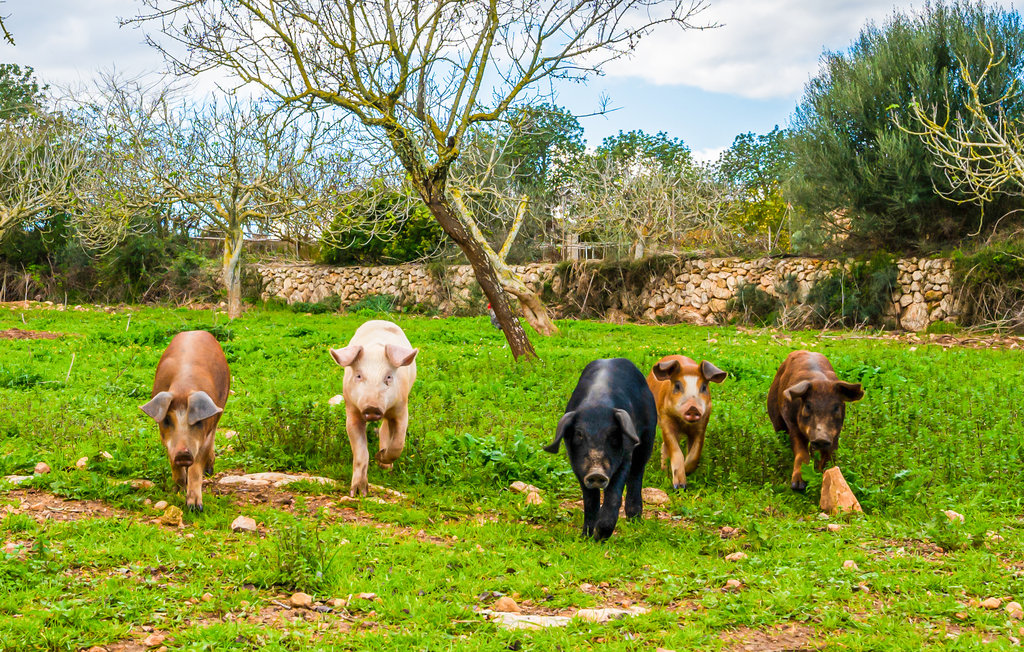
<point>505,604</point>
<point>243,524</point>
<point>654,496</point>
<point>42,468</point>
<point>301,600</point>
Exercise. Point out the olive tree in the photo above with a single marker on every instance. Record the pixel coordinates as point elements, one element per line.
<point>417,74</point>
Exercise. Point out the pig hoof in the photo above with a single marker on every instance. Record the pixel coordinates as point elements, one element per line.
<point>798,486</point>
<point>677,487</point>
<point>195,508</point>
<point>208,471</point>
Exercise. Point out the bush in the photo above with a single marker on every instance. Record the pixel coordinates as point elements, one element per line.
<point>754,305</point>
<point>853,167</point>
<point>401,230</point>
<point>990,285</point>
<point>375,303</point>
<point>856,296</point>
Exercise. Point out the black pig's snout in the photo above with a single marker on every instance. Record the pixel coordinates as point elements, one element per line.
<point>596,481</point>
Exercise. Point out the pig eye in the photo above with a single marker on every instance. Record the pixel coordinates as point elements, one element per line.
<point>388,379</point>
<point>359,376</point>
<point>704,388</point>
<point>167,420</point>
<point>677,387</point>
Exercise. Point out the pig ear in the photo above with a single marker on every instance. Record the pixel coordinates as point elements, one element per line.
<point>157,406</point>
<point>400,356</point>
<point>629,439</point>
<point>563,427</point>
<point>797,391</point>
<point>201,406</point>
<point>664,369</point>
<point>849,391</point>
<point>711,372</point>
<point>347,355</point>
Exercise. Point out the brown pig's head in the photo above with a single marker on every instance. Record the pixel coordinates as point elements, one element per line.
<point>182,422</point>
<point>820,407</point>
<point>689,397</point>
<point>371,377</point>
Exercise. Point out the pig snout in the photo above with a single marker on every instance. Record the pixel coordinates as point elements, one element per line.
<point>373,413</point>
<point>820,444</point>
<point>183,457</point>
<point>595,480</point>
<point>692,414</point>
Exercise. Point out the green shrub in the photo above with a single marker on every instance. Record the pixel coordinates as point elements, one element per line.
<point>990,285</point>
<point>754,305</point>
<point>375,303</point>
<point>856,296</point>
<point>382,228</point>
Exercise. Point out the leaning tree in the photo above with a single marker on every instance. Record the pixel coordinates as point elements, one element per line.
<point>420,75</point>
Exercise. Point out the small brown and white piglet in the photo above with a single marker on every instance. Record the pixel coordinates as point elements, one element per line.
<point>380,368</point>
<point>189,392</point>
<point>682,394</point>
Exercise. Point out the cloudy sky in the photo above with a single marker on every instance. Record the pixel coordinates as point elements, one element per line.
<point>702,86</point>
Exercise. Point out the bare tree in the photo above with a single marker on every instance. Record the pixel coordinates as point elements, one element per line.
<point>417,74</point>
<point>222,168</point>
<point>646,207</point>
<point>979,148</point>
<point>42,160</point>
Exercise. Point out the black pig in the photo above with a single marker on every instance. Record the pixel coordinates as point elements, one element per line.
<point>608,429</point>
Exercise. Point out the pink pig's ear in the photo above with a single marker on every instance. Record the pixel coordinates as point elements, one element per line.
<point>400,356</point>
<point>347,355</point>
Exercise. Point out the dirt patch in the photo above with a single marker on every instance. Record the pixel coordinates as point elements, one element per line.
<point>43,506</point>
<point>781,638</point>
<point>969,341</point>
<point>890,548</point>
<point>18,334</point>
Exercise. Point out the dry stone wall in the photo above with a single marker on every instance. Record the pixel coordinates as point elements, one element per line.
<point>694,291</point>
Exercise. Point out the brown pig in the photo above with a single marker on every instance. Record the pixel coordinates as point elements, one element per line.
<point>808,401</point>
<point>680,388</point>
<point>189,393</point>
<point>380,368</point>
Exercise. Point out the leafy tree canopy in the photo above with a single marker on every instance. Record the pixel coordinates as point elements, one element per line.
<point>855,170</point>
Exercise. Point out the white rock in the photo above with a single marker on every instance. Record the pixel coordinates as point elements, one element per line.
<point>82,463</point>
<point>42,468</point>
<point>243,524</point>
<point>954,517</point>
<point>160,505</point>
<point>337,399</point>
<point>655,496</point>
<point>736,556</point>
<point>523,488</point>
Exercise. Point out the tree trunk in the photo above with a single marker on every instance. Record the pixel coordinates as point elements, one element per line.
<point>486,276</point>
<point>534,310</point>
<point>233,271</point>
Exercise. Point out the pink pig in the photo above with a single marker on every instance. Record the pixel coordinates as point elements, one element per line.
<point>380,368</point>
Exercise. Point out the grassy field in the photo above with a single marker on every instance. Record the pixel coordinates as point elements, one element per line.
<point>85,562</point>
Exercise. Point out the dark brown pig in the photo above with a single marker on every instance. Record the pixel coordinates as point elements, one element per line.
<point>680,388</point>
<point>808,401</point>
<point>189,393</point>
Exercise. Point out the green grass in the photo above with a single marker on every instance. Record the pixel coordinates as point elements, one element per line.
<point>937,429</point>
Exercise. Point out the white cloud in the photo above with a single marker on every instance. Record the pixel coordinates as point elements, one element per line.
<point>708,154</point>
<point>764,48</point>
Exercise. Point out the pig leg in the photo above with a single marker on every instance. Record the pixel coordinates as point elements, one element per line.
<point>801,456</point>
<point>591,505</point>
<point>677,461</point>
<point>392,438</point>
<point>356,428</point>
<point>635,489</point>
<point>694,448</point>
<point>609,514</point>
<point>194,493</point>
<point>178,475</point>
<point>824,458</point>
